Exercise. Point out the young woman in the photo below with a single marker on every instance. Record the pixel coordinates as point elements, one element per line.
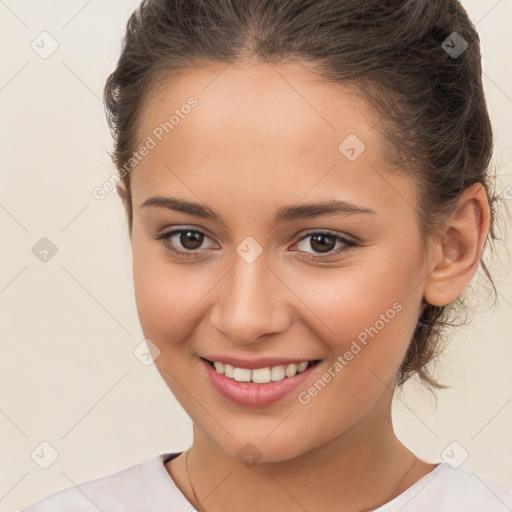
<point>307,194</point>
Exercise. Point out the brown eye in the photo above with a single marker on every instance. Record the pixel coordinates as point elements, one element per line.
<point>323,243</point>
<point>191,239</point>
<point>186,243</point>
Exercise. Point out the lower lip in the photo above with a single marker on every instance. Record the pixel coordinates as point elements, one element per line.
<point>249,394</point>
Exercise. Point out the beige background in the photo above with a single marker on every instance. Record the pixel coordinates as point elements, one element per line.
<point>69,326</point>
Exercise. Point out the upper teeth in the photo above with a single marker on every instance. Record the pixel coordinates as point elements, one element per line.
<point>260,375</point>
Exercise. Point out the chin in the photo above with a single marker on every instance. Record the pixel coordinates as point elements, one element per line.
<point>261,448</point>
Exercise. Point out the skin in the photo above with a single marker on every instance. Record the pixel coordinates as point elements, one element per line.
<point>263,137</point>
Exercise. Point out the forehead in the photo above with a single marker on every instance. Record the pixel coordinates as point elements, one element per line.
<point>262,100</point>
<point>257,126</point>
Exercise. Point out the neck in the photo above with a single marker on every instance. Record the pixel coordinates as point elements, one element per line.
<point>359,470</point>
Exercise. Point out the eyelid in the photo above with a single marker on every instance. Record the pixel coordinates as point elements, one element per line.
<point>331,232</point>
<point>173,230</point>
<point>347,241</point>
<point>165,235</point>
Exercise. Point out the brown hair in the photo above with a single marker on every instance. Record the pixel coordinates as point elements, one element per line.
<point>396,52</point>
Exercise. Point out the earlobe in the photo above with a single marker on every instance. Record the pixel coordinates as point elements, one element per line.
<point>457,251</point>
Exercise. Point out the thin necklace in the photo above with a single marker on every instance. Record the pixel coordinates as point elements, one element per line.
<point>190,482</point>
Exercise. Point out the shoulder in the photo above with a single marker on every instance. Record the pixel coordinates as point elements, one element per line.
<point>470,492</point>
<point>452,490</point>
<point>123,491</point>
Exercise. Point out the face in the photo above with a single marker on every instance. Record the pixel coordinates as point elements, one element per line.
<point>256,278</point>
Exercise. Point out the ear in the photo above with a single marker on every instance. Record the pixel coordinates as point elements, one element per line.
<point>123,194</point>
<point>456,252</point>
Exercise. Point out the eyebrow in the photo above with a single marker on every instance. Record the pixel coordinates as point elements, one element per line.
<point>283,214</point>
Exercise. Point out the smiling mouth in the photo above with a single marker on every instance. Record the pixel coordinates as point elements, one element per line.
<point>261,375</point>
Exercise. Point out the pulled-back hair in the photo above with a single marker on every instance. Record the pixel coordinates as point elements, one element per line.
<point>402,55</point>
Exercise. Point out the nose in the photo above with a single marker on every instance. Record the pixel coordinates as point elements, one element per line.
<point>251,302</point>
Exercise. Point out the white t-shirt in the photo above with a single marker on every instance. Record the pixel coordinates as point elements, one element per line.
<point>147,487</point>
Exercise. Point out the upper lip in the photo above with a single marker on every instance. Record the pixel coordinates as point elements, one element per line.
<point>260,362</point>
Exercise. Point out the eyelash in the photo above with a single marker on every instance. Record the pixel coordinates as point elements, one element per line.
<point>348,245</point>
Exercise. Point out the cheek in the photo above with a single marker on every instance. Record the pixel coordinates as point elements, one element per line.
<point>168,296</point>
<point>355,297</point>
<point>367,313</point>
